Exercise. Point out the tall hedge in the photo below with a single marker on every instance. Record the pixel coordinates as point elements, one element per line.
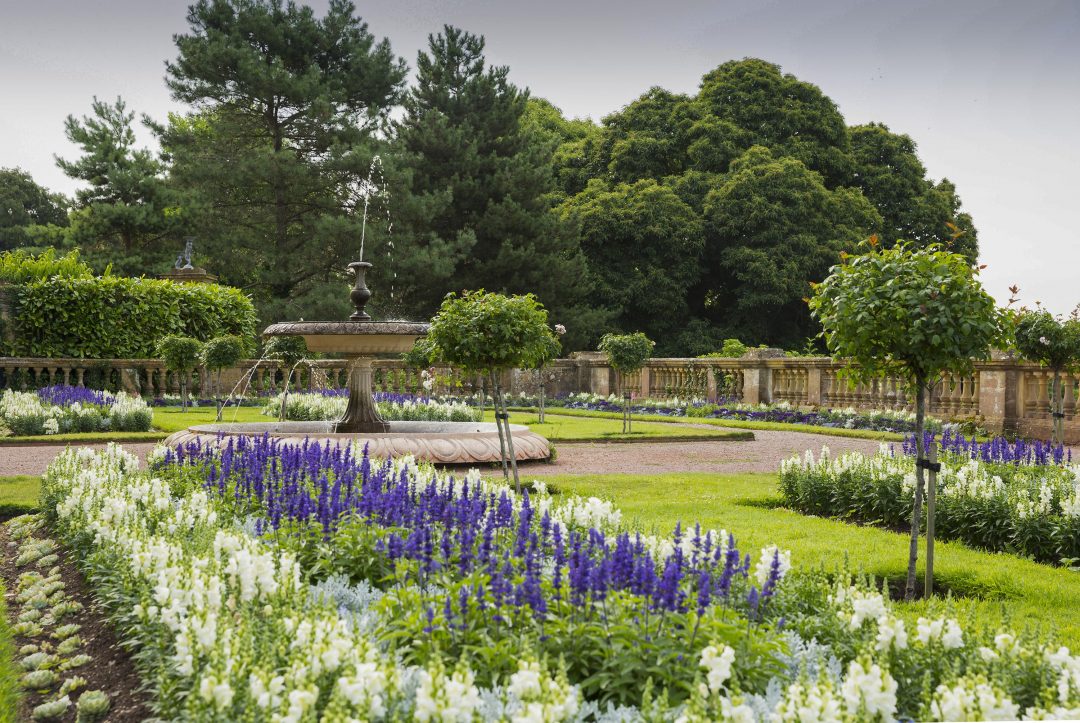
<point>112,317</point>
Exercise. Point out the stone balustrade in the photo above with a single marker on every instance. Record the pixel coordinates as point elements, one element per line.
<point>1005,394</point>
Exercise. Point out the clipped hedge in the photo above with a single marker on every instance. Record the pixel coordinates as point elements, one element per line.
<point>112,317</point>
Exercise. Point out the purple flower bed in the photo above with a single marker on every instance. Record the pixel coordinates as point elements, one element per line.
<point>819,418</point>
<point>64,395</point>
<point>997,449</point>
<point>463,528</point>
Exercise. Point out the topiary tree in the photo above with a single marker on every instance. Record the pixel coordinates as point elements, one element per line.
<point>181,354</point>
<point>541,373</point>
<point>626,353</point>
<point>915,314</point>
<point>290,351</point>
<point>488,333</point>
<point>1055,343</point>
<point>220,352</point>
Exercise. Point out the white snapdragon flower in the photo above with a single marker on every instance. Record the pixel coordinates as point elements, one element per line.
<point>869,691</point>
<point>717,663</point>
<point>972,699</point>
<point>892,633</point>
<point>809,702</point>
<point>765,563</point>
<point>866,606</point>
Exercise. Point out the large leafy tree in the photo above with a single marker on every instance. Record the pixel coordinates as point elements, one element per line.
<point>477,203</point>
<point>25,204</point>
<point>287,109</point>
<point>644,246</point>
<point>912,207</point>
<point>773,228</point>
<point>779,111</point>
<point>758,254</point>
<point>125,214</point>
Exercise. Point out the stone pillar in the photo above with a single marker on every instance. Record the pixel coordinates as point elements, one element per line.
<point>645,382</point>
<point>757,385</point>
<point>710,385</point>
<point>813,386</point>
<point>757,379</point>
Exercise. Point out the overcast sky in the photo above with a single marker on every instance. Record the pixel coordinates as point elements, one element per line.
<point>989,90</point>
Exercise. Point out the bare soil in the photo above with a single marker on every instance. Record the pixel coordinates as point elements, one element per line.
<point>110,669</point>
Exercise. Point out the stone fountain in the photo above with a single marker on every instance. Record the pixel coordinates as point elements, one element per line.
<point>362,338</point>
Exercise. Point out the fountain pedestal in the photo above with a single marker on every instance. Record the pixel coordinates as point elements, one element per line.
<point>361,415</point>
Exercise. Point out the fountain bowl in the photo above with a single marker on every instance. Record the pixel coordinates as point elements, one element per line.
<point>355,338</point>
<point>450,443</point>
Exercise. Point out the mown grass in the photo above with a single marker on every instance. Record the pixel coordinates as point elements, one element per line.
<point>990,587</point>
<point>9,670</point>
<point>733,423</point>
<point>174,419</point>
<point>18,495</point>
<point>559,427</point>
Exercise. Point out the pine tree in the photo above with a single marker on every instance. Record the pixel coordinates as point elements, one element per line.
<point>287,110</point>
<point>480,184</point>
<point>124,215</point>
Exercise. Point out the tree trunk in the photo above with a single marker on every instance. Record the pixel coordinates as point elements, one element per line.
<point>498,426</point>
<point>541,414</point>
<point>931,510</point>
<point>509,436</point>
<point>916,509</point>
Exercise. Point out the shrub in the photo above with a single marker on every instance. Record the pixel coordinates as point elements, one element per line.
<point>20,267</point>
<point>112,317</point>
<point>626,354</point>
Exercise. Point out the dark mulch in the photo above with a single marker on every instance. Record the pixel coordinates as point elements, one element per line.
<point>110,669</point>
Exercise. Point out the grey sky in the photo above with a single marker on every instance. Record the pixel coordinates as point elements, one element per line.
<point>989,90</point>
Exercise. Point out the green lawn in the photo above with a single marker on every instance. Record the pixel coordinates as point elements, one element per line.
<point>559,427</point>
<point>990,585</point>
<point>734,423</point>
<point>173,419</point>
<point>18,495</point>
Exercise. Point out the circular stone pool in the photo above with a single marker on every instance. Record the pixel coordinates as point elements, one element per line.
<point>439,442</point>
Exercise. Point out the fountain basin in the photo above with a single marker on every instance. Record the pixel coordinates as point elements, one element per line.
<point>438,442</point>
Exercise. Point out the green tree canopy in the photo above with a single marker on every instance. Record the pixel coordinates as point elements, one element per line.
<point>779,111</point>
<point>891,176</point>
<point>773,227</point>
<point>287,107</point>
<point>125,213</point>
<point>23,203</point>
<point>915,313</point>
<point>644,246</point>
<point>477,207</point>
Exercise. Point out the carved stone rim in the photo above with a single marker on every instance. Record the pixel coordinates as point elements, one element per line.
<point>346,328</point>
<point>445,448</point>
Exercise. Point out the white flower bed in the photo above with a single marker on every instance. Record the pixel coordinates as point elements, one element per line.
<point>228,628</point>
<point>24,414</point>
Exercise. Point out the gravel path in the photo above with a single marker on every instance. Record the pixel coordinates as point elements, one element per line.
<point>763,454</point>
<point>34,458</point>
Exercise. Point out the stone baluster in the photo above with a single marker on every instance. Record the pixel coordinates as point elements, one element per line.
<point>1042,394</point>
<point>1069,383</point>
